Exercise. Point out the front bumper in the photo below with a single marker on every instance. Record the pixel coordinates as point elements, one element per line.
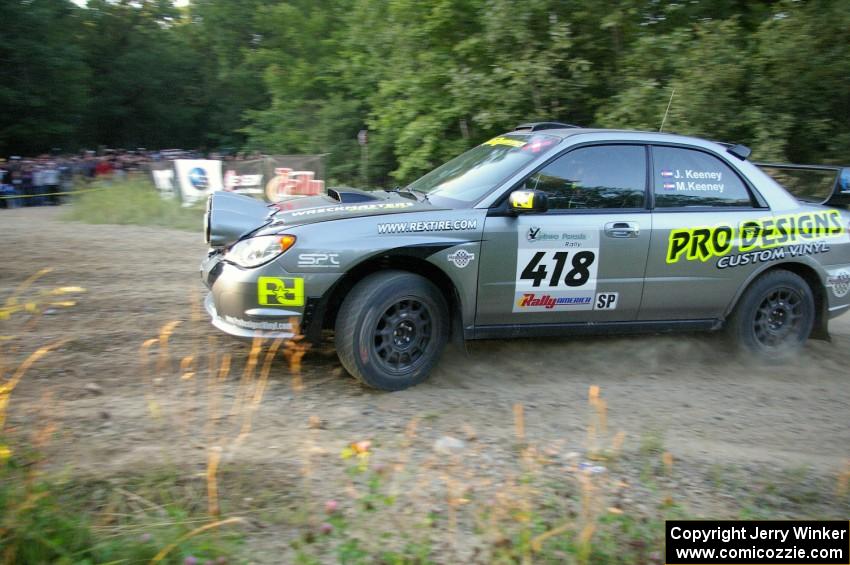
<point>265,301</point>
<point>253,328</point>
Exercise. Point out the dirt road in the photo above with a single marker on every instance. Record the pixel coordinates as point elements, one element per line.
<point>681,393</point>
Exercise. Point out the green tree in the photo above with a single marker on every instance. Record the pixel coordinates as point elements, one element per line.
<point>43,94</point>
<point>312,109</point>
<point>226,35</point>
<point>146,84</point>
<point>427,79</point>
<point>800,92</point>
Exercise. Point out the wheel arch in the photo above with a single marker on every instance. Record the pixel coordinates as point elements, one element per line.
<point>808,273</point>
<point>403,262</point>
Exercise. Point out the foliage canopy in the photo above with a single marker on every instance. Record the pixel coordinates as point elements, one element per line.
<point>427,79</point>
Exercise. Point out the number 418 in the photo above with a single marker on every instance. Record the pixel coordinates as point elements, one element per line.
<point>577,276</point>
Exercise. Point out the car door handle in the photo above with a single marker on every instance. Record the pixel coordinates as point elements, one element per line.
<point>622,229</point>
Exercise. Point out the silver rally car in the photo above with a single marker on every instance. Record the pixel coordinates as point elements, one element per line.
<point>547,230</point>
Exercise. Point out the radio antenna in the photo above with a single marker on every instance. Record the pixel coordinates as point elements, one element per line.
<point>669,103</point>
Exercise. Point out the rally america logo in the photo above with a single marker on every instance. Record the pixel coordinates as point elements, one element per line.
<point>461,258</point>
<point>532,234</point>
<point>532,300</point>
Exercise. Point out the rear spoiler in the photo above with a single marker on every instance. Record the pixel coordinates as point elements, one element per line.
<point>837,189</point>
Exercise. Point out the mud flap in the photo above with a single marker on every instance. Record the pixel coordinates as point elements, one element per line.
<point>457,338</point>
<point>820,330</point>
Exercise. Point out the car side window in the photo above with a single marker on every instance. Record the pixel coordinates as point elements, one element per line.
<point>598,176</point>
<point>687,177</point>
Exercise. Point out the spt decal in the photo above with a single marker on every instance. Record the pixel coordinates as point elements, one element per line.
<point>318,260</point>
<point>274,291</point>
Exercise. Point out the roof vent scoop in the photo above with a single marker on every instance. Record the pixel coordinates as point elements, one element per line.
<point>351,195</point>
<point>537,126</point>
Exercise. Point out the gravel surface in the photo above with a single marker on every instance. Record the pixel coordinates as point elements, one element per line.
<point>684,394</point>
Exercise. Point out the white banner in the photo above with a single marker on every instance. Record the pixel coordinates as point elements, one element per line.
<point>163,179</point>
<point>197,178</point>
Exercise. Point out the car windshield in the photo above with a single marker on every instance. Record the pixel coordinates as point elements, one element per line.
<point>468,177</point>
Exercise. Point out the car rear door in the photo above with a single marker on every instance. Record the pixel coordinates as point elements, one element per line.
<point>694,270</point>
<point>584,260</point>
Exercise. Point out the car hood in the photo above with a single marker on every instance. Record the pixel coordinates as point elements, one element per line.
<point>354,204</point>
<point>231,217</point>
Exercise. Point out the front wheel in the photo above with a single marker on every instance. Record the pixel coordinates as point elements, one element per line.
<point>391,329</point>
<point>774,316</point>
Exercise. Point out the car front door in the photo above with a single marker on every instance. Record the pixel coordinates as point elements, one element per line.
<point>582,261</point>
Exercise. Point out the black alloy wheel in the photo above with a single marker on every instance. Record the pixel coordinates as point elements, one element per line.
<point>778,317</point>
<point>774,316</point>
<point>402,335</point>
<point>391,329</point>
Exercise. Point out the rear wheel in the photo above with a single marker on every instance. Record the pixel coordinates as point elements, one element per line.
<point>774,316</point>
<point>391,329</point>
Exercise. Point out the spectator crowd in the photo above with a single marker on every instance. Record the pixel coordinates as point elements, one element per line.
<point>46,179</point>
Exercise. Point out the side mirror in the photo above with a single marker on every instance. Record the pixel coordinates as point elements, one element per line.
<point>528,202</point>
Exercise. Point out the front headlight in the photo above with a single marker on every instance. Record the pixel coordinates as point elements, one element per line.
<point>255,251</point>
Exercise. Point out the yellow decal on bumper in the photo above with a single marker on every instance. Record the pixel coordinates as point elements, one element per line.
<point>274,291</point>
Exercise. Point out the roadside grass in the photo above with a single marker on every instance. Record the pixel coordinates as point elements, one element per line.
<point>652,442</point>
<point>48,517</point>
<point>390,500</point>
<point>133,201</point>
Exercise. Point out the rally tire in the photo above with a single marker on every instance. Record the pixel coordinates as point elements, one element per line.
<point>774,317</point>
<point>391,329</point>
